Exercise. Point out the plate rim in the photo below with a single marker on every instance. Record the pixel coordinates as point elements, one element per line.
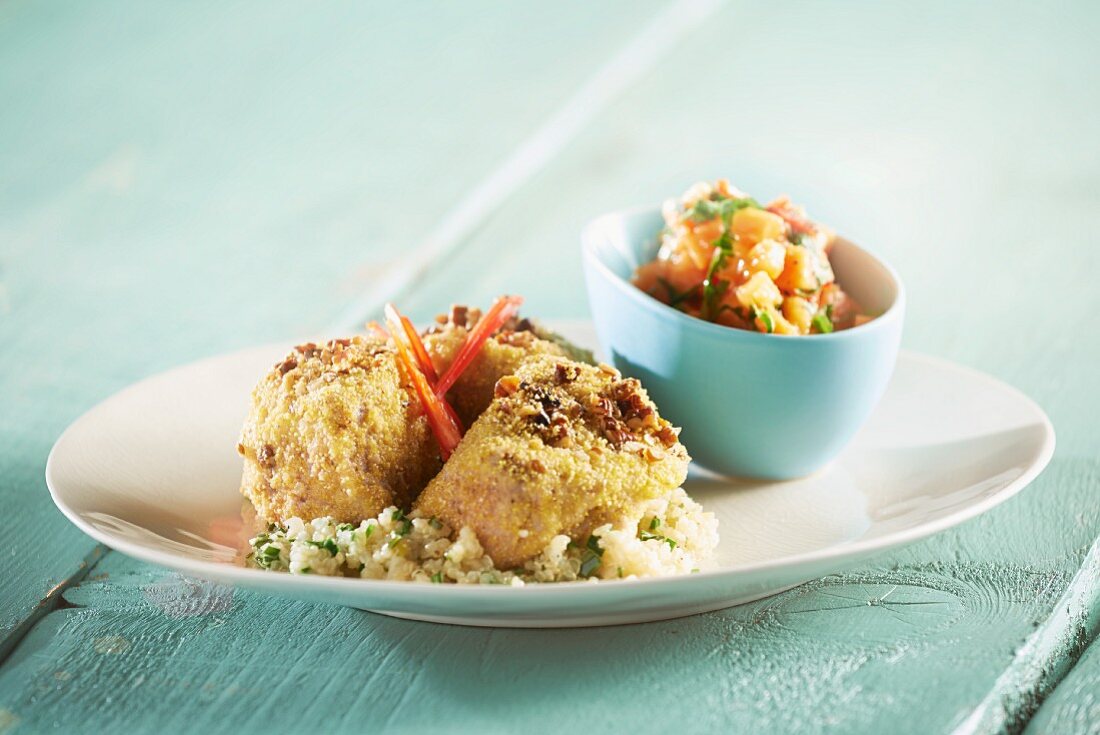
<point>849,550</point>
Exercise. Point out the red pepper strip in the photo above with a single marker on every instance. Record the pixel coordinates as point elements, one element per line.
<point>797,223</point>
<point>441,417</point>
<point>501,311</point>
<point>420,352</point>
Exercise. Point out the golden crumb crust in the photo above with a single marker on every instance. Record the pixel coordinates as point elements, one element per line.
<point>335,430</point>
<point>563,448</point>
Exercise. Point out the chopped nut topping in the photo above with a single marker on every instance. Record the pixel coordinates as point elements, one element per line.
<point>458,315</point>
<point>609,370</point>
<point>566,373</point>
<point>266,455</point>
<point>506,386</point>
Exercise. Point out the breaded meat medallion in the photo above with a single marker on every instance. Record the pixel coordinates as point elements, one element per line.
<point>502,354</point>
<point>563,448</point>
<point>335,430</point>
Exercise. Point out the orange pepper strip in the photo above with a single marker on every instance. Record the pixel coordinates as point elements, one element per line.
<point>441,417</point>
<point>501,311</point>
<point>419,351</point>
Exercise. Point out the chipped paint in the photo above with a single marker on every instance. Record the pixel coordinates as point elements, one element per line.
<point>179,596</point>
<point>111,644</point>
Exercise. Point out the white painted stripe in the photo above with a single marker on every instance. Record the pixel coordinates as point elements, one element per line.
<point>1045,657</point>
<point>635,59</point>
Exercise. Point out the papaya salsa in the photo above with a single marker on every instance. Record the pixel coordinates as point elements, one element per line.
<point>729,260</point>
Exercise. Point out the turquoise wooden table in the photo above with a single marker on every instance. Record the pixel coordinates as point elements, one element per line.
<point>186,179</point>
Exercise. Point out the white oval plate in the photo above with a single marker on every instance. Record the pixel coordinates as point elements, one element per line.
<point>153,472</point>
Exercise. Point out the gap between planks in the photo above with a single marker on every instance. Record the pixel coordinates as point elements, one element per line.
<point>1045,658</point>
<point>52,601</point>
<point>663,32</point>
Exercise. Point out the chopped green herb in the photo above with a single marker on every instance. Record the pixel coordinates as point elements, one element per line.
<point>406,524</point>
<point>590,557</point>
<point>438,577</point>
<point>675,298</point>
<point>765,318</point>
<point>435,523</point>
<point>345,527</point>
<point>306,570</point>
<point>620,570</point>
<point>368,531</point>
<point>362,566</point>
<point>328,545</point>
<point>395,540</point>
<point>650,536</point>
<point>822,323</point>
<point>594,545</point>
<point>260,540</point>
<point>707,209</point>
<point>590,562</point>
<point>655,523</point>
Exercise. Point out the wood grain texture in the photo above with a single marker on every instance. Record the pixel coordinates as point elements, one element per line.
<point>1075,705</point>
<point>957,141</point>
<point>177,182</point>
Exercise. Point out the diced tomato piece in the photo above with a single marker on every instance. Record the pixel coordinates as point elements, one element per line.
<point>798,223</point>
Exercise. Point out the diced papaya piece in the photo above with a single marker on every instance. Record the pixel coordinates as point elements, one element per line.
<point>759,292</point>
<point>768,256</point>
<point>754,225</point>
<point>798,272</point>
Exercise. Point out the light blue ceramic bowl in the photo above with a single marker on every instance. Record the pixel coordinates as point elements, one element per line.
<point>751,404</point>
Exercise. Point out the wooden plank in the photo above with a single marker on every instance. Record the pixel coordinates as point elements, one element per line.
<point>144,650</point>
<point>1075,705</point>
<point>914,642</point>
<point>183,181</point>
<point>910,157</point>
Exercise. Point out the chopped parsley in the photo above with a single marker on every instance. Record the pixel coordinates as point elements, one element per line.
<point>590,557</point>
<point>328,545</point>
<point>715,288</point>
<point>675,298</point>
<point>765,319</point>
<point>438,577</point>
<point>649,535</point>
<point>267,556</point>
<point>406,523</point>
<point>707,209</point>
<point>345,527</point>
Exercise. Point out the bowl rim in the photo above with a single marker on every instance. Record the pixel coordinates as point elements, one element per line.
<point>589,238</point>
